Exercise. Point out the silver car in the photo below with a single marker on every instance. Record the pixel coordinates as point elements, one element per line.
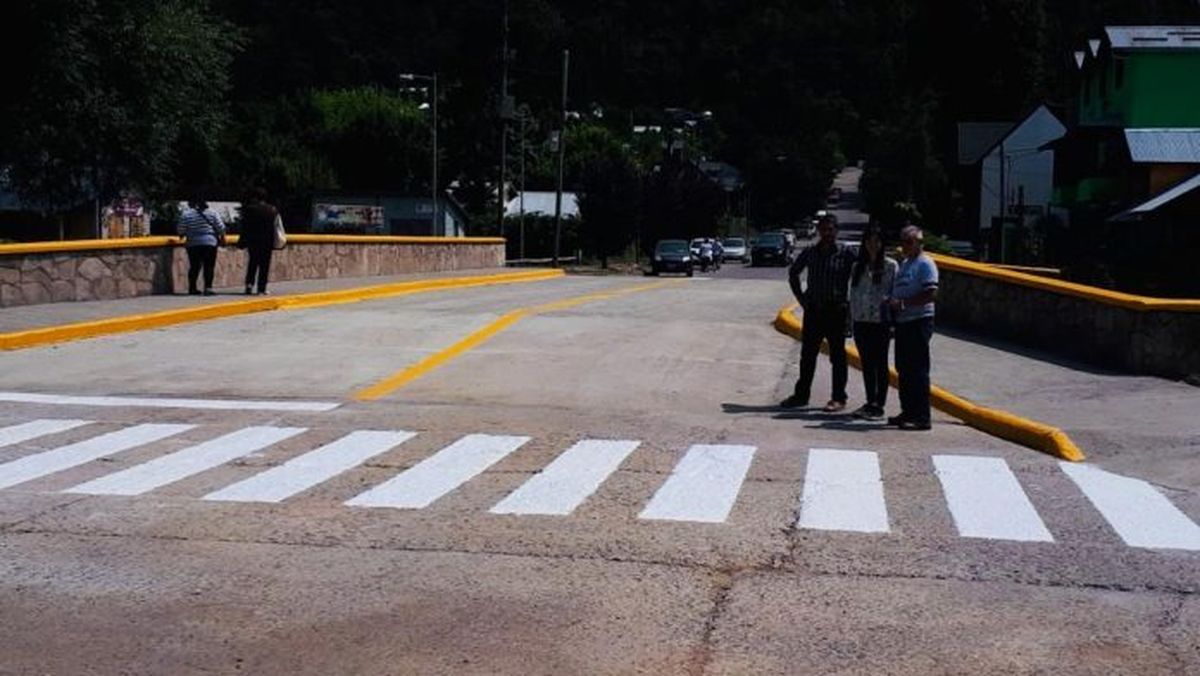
<point>735,249</point>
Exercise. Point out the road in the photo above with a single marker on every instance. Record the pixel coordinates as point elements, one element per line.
<point>602,486</point>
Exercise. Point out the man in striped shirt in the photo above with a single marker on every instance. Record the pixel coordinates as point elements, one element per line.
<point>825,303</point>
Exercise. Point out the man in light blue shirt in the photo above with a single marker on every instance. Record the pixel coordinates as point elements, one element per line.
<point>912,302</point>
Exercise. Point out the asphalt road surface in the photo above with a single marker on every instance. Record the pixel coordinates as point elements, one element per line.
<point>603,486</point>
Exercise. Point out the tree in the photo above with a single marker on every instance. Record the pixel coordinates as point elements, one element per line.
<point>113,87</point>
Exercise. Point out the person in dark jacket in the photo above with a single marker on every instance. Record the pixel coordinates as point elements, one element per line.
<point>258,239</point>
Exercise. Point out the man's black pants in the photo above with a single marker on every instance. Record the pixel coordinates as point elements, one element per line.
<point>912,362</point>
<point>201,257</point>
<point>823,324</point>
<point>258,265</point>
<point>872,340</point>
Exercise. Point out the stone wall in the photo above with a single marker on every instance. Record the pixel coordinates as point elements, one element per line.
<point>1110,335</point>
<point>81,275</point>
<point>312,260</point>
<point>73,271</point>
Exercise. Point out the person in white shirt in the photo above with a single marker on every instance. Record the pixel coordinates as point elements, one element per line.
<point>871,282</point>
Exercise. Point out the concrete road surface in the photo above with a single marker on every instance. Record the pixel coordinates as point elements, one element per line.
<point>601,487</point>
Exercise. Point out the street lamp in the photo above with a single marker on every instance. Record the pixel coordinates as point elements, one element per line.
<point>433,79</point>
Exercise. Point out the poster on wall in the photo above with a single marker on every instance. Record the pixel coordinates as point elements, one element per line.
<point>348,219</point>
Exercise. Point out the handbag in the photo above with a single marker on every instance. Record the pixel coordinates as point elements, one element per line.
<point>280,235</point>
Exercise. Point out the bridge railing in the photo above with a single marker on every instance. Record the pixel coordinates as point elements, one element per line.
<point>1110,329</point>
<point>43,272</point>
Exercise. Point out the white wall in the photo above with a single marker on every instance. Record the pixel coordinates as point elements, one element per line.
<point>1024,166</point>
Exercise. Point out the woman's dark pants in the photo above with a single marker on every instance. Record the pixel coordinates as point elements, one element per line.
<point>872,340</point>
<point>201,257</point>
<point>258,266</point>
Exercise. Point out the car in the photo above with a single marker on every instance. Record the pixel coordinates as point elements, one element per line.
<point>695,248</point>
<point>735,249</point>
<point>672,255</point>
<point>771,247</point>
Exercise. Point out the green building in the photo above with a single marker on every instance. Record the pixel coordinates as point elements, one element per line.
<point>1128,171</point>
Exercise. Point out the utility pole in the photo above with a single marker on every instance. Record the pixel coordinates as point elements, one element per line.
<point>434,187</point>
<point>504,115</point>
<point>562,146</point>
<point>999,236</point>
<point>521,197</point>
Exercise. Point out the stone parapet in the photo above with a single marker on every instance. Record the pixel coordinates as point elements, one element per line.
<point>1116,331</point>
<point>69,271</point>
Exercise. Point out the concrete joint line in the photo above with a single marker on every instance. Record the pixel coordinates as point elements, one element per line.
<point>998,423</point>
<point>141,322</point>
<point>404,376</point>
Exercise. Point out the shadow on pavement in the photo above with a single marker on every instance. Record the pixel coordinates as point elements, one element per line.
<point>1025,351</point>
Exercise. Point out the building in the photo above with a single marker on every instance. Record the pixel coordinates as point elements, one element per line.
<point>387,214</point>
<point>1131,164</point>
<point>1009,177</point>
<point>541,204</point>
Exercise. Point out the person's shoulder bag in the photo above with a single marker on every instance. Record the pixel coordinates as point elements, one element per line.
<point>280,236</point>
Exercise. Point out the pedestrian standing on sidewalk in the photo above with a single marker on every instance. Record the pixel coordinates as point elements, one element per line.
<point>912,301</point>
<point>202,230</point>
<point>870,287</point>
<point>258,239</point>
<point>826,309</point>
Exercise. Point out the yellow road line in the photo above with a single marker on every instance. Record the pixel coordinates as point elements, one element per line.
<point>140,322</point>
<point>1028,433</point>
<point>404,376</point>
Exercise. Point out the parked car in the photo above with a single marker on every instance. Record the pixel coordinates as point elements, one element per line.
<point>672,255</point>
<point>695,248</point>
<point>735,249</point>
<point>771,247</point>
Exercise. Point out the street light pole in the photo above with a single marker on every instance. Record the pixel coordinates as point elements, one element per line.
<point>562,145</point>
<point>433,105</point>
<point>434,218</point>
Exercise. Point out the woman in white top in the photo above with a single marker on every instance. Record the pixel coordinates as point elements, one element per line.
<point>871,281</point>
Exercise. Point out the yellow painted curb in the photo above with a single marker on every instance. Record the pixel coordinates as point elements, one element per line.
<point>140,322</point>
<point>1028,433</point>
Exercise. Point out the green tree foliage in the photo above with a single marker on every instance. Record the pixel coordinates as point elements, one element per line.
<point>111,88</point>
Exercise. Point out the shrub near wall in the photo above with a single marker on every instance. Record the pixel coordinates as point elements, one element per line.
<point>1112,330</point>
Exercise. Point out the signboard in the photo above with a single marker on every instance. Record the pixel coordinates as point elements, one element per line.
<point>359,219</point>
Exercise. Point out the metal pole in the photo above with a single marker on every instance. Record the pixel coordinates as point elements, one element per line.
<point>562,145</point>
<point>500,192</point>
<point>434,187</point>
<point>521,197</point>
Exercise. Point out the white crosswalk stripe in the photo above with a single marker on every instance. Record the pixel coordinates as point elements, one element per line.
<point>843,491</point>
<point>440,473</point>
<point>16,434</point>
<point>569,480</point>
<point>1142,516</point>
<point>986,500</point>
<point>703,486</point>
<point>43,464</point>
<point>182,464</point>
<point>300,474</point>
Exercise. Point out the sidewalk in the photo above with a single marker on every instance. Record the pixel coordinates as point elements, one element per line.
<point>1137,425</point>
<point>25,317</point>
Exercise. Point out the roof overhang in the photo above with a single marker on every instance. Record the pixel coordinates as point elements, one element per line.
<point>1159,201</point>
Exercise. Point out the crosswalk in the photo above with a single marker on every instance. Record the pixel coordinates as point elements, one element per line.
<point>842,490</point>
